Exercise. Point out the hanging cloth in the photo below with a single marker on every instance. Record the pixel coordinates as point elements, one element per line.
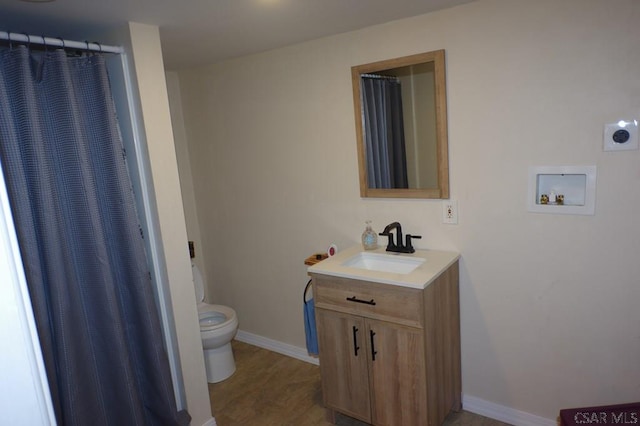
<point>383,130</point>
<point>311,334</point>
<point>81,245</point>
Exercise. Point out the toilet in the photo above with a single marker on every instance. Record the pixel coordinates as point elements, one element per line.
<point>218,325</point>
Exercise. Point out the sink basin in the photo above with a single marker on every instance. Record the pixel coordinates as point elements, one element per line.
<point>415,270</point>
<point>384,262</point>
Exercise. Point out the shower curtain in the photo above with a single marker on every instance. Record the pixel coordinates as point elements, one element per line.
<point>384,132</point>
<point>81,244</point>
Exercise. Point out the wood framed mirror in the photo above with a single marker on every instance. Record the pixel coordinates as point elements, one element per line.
<point>401,127</point>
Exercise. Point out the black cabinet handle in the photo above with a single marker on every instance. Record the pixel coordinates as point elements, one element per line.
<point>355,341</point>
<point>366,302</point>
<point>373,350</point>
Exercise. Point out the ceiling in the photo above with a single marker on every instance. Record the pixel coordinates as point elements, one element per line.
<point>197,32</point>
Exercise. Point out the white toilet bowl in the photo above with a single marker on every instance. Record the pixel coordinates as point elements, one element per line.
<point>218,325</point>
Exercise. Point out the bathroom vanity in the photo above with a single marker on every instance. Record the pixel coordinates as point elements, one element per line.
<point>389,335</point>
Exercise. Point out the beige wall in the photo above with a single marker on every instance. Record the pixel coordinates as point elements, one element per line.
<point>149,70</point>
<point>184,167</point>
<point>549,303</point>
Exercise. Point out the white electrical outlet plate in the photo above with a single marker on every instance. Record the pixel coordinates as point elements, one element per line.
<point>450,212</point>
<point>621,136</point>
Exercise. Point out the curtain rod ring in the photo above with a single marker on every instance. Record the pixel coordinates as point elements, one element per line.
<point>62,41</point>
<point>10,41</point>
<point>28,40</point>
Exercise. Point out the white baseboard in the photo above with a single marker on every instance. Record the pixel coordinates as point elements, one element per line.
<point>502,413</point>
<point>469,403</point>
<point>210,422</point>
<point>276,346</point>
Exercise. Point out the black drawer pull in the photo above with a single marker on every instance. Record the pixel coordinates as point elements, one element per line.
<point>366,302</point>
<point>355,341</point>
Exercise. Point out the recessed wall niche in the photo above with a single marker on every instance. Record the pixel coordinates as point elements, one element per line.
<point>562,189</point>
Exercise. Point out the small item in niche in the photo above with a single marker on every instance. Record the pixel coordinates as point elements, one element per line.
<point>369,237</point>
<point>332,250</point>
<point>559,199</point>
<point>544,199</point>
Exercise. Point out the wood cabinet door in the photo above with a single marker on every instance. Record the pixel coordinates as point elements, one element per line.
<point>343,363</point>
<point>397,374</point>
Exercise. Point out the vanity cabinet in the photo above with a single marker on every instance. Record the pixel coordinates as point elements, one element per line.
<point>389,355</point>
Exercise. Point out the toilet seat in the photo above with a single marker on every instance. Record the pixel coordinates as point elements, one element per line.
<point>214,317</point>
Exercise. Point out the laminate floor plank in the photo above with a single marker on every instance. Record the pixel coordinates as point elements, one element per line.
<point>269,389</point>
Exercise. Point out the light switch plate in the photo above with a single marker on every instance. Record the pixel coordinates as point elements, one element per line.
<point>621,136</point>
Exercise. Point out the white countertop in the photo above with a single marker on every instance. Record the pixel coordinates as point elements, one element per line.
<point>435,263</point>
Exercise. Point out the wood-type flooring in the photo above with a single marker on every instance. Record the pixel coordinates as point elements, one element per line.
<point>269,389</point>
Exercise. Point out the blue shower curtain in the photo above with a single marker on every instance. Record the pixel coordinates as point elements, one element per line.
<point>384,132</point>
<point>80,240</point>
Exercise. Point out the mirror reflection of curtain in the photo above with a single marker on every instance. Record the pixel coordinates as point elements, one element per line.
<point>81,244</point>
<point>383,130</point>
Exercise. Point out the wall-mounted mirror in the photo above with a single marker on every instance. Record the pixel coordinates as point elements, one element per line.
<point>401,127</point>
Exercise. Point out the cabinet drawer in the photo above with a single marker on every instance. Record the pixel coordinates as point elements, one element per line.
<point>372,300</point>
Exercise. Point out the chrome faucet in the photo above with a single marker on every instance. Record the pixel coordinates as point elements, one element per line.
<point>398,247</point>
